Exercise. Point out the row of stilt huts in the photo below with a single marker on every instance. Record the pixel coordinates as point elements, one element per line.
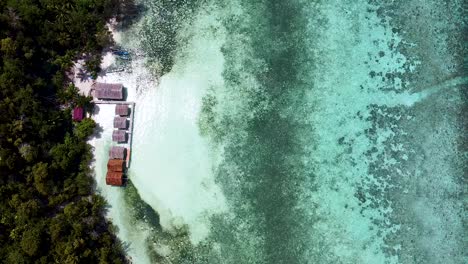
<point>118,155</point>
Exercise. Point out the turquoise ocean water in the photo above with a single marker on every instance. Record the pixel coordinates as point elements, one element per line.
<point>299,131</point>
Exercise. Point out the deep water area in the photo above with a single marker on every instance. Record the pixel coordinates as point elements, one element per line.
<point>298,131</point>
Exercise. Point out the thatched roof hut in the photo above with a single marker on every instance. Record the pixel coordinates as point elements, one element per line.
<point>121,109</point>
<point>120,122</point>
<point>78,114</point>
<point>117,152</point>
<point>119,136</point>
<point>110,86</point>
<point>114,178</point>
<point>112,91</point>
<point>115,165</point>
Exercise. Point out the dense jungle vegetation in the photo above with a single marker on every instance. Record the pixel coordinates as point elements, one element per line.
<point>48,211</point>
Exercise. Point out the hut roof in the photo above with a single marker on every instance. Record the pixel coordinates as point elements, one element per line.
<point>115,165</point>
<point>109,91</point>
<point>119,136</point>
<point>109,94</point>
<point>111,86</point>
<point>78,114</point>
<point>121,109</point>
<point>114,178</point>
<point>120,122</point>
<point>117,152</point>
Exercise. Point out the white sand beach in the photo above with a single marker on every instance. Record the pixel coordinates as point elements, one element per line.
<point>171,162</point>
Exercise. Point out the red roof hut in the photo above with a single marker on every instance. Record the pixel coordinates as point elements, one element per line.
<point>117,153</point>
<point>78,114</point>
<point>115,165</point>
<point>119,136</point>
<point>121,109</point>
<point>114,178</point>
<point>120,122</point>
<point>112,91</point>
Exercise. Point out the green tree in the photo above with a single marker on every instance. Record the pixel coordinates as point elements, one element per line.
<point>8,46</point>
<point>85,128</point>
<point>15,256</point>
<point>41,179</point>
<point>31,240</point>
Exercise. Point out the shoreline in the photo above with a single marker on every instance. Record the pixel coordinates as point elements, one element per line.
<point>171,165</point>
<point>101,141</point>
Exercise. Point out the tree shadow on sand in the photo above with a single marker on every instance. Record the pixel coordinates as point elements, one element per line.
<point>97,131</point>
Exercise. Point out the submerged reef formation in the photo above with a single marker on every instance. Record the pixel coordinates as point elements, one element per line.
<point>301,132</point>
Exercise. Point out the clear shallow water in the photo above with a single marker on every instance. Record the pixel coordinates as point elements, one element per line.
<point>297,132</point>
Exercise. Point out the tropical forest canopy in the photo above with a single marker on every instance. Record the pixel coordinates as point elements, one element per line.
<point>48,211</point>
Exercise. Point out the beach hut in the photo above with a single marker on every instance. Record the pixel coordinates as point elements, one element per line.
<point>121,109</point>
<point>115,165</point>
<point>114,178</point>
<point>109,86</point>
<point>110,91</point>
<point>78,114</point>
<point>119,136</point>
<point>117,153</point>
<point>120,122</point>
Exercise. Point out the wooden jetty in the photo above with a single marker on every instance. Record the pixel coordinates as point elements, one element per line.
<point>130,132</point>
